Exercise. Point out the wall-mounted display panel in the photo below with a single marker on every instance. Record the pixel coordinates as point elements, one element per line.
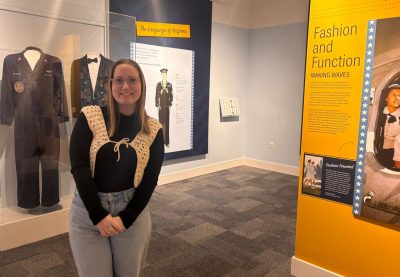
<point>174,39</point>
<point>349,183</point>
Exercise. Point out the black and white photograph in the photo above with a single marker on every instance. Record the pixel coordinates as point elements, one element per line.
<point>381,182</point>
<point>312,174</point>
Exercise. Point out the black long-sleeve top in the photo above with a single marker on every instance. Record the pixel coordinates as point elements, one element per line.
<point>111,175</point>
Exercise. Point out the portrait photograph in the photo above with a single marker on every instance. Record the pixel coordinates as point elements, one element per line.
<point>381,187</point>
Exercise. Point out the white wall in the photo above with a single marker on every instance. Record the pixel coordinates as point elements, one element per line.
<point>267,13</point>
<point>254,14</point>
<point>232,12</point>
<point>229,74</point>
<point>277,50</point>
<point>90,11</point>
<point>275,94</point>
<point>258,55</point>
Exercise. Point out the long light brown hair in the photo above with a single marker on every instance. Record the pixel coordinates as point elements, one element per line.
<point>113,108</point>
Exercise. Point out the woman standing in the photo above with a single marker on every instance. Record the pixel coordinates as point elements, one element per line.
<point>116,157</point>
<point>387,131</point>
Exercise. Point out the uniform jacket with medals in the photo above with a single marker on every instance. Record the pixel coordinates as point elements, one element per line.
<point>26,92</point>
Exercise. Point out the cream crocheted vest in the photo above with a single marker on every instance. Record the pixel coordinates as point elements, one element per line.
<point>141,143</point>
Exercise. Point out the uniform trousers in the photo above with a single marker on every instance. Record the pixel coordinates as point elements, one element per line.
<point>119,256</point>
<point>163,117</point>
<point>37,141</point>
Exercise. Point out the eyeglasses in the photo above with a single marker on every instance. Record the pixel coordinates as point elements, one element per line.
<point>131,81</point>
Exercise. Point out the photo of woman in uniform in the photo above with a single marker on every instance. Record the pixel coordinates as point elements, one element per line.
<point>387,132</point>
<point>380,198</point>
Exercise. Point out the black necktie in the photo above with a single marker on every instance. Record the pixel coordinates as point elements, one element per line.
<point>392,118</point>
<point>89,60</point>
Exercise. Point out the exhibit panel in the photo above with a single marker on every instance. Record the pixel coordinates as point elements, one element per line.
<point>52,65</point>
<point>173,41</point>
<point>349,183</point>
<point>379,159</point>
<point>169,81</point>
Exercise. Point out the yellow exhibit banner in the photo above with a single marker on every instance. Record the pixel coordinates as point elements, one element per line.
<point>157,29</point>
<point>348,216</point>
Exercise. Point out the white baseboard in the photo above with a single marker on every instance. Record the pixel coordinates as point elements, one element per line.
<point>300,268</point>
<point>198,171</point>
<point>18,228</point>
<point>281,168</point>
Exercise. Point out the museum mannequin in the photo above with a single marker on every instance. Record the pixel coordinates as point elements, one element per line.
<point>93,65</point>
<point>32,56</point>
<point>33,98</point>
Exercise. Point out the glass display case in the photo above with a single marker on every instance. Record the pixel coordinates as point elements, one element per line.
<point>55,57</point>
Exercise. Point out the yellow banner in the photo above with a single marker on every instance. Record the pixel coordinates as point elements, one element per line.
<point>156,29</point>
<point>353,58</point>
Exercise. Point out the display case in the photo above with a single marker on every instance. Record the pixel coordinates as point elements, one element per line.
<point>55,57</point>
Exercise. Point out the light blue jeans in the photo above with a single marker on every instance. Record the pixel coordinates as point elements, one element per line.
<point>118,256</point>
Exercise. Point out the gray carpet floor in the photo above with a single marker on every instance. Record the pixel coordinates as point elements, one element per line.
<point>236,222</point>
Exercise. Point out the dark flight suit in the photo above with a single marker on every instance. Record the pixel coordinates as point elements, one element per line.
<point>81,85</point>
<point>164,100</point>
<point>36,99</point>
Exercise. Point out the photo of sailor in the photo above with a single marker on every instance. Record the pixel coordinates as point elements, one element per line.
<point>163,102</point>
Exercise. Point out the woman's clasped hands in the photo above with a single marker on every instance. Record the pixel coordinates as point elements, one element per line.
<point>110,226</point>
